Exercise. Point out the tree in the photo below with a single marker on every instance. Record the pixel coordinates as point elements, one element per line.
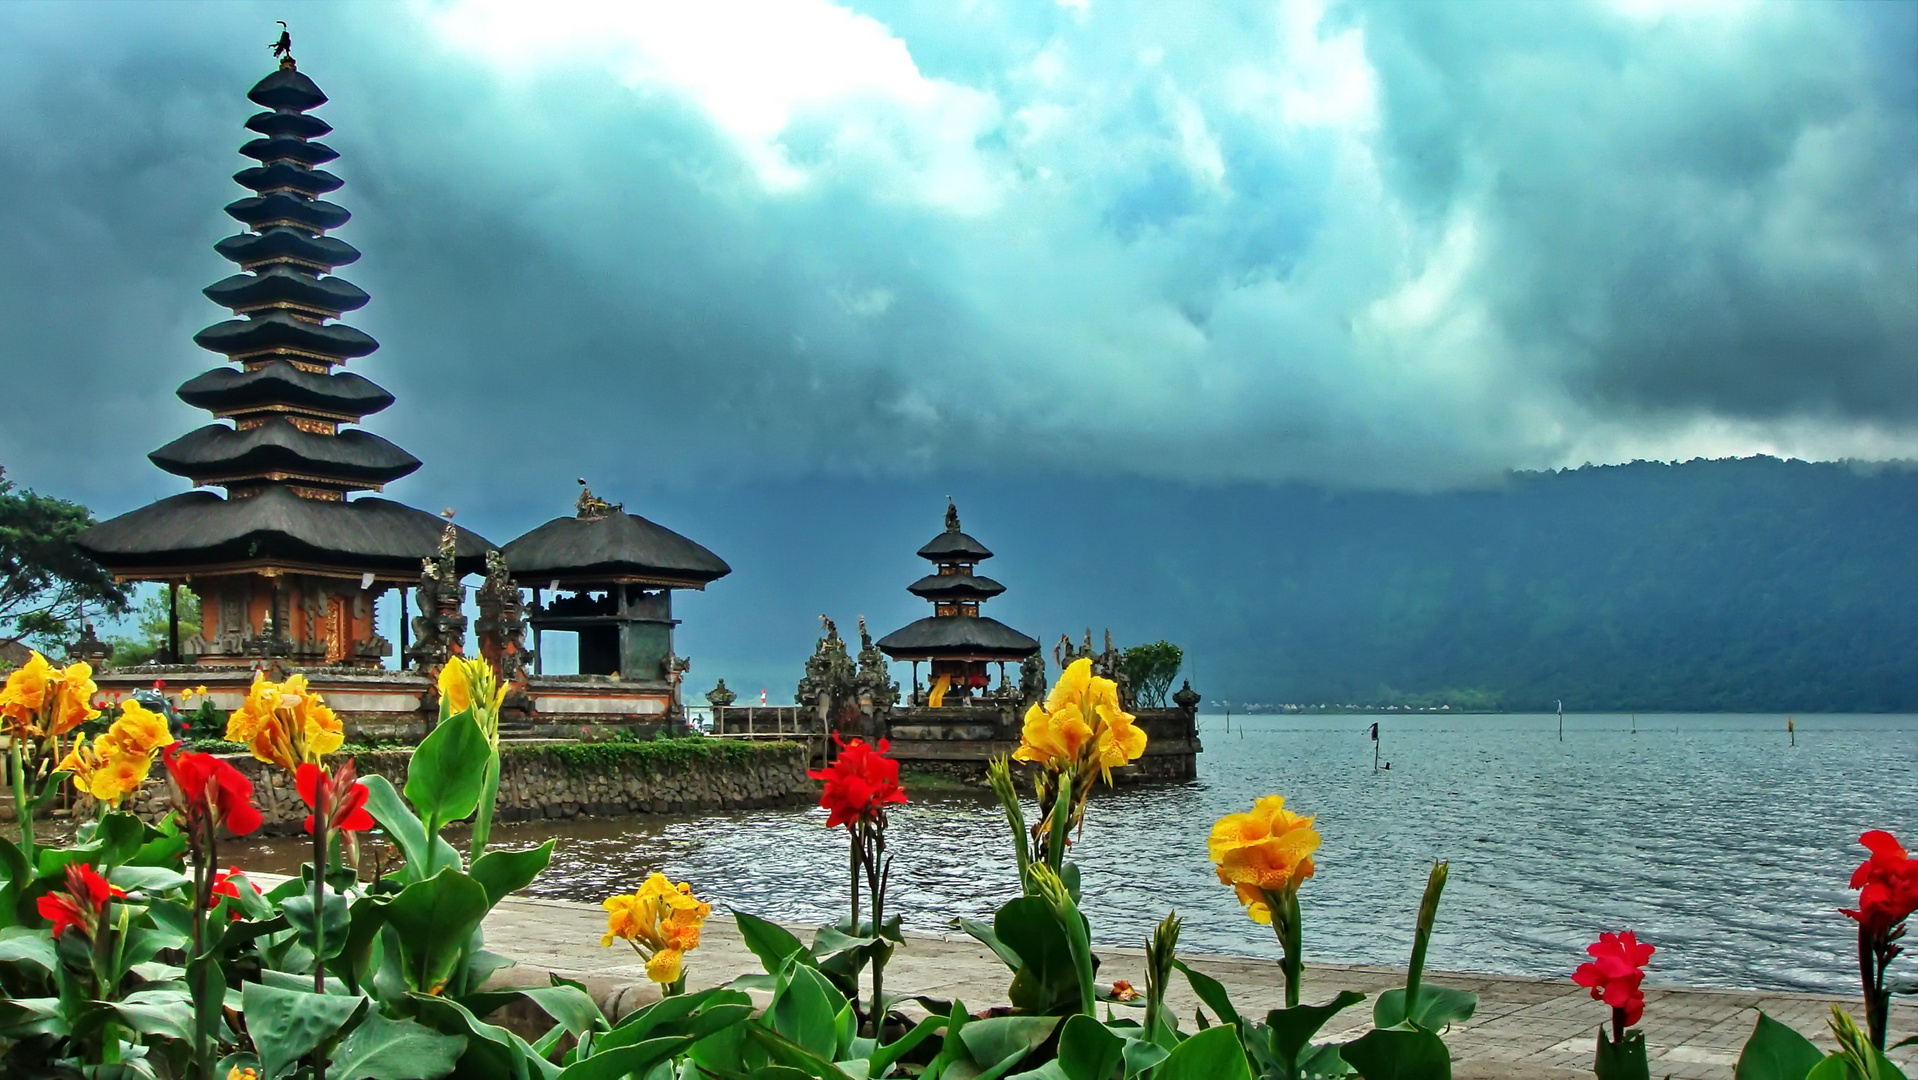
<point>45,581</point>
<point>1150,670</point>
<point>149,638</point>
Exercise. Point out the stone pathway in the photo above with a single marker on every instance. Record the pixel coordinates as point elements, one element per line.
<point>1525,1029</point>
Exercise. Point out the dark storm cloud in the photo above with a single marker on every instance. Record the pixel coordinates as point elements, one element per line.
<point>1400,245</point>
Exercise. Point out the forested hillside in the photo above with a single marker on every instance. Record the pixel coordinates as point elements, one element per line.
<point>1751,584</point>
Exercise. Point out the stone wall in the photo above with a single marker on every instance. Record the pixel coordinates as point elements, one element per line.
<point>564,780</point>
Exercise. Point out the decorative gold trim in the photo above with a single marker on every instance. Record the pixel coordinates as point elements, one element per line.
<point>288,306</point>
<point>288,353</point>
<point>288,259</point>
<point>277,476</point>
<point>281,407</point>
<point>263,568</point>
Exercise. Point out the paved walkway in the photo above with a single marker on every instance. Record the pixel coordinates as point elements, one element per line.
<point>1525,1029</point>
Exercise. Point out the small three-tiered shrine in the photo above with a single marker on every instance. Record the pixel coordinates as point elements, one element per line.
<point>957,642</point>
<point>287,564</point>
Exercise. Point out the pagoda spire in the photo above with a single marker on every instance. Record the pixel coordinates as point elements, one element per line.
<point>286,564</point>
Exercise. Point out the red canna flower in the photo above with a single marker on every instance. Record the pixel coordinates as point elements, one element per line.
<point>207,790</point>
<point>1614,973</point>
<point>224,884</point>
<point>860,784</point>
<point>1887,884</point>
<point>338,795</point>
<point>81,905</point>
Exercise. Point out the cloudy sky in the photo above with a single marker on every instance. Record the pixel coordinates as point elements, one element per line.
<point>704,253</point>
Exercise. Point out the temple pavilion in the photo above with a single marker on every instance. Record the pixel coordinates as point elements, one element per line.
<point>956,641</point>
<point>609,577</point>
<point>287,562</point>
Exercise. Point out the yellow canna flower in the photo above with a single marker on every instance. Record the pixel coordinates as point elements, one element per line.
<point>471,684</point>
<point>661,921</point>
<point>1266,851</point>
<point>1080,723</point>
<point>25,695</point>
<point>285,724</point>
<point>72,705</point>
<point>666,966</point>
<point>237,1073</point>
<point>140,729</point>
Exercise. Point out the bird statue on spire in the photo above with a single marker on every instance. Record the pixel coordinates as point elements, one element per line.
<point>283,48</point>
<point>952,515</point>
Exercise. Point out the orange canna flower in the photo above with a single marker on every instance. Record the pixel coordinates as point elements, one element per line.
<point>1080,723</point>
<point>661,921</point>
<point>1266,851</point>
<point>285,724</point>
<point>40,699</point>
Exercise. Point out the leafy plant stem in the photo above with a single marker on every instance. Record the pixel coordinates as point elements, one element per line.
<point>1285,922</point>
<point>483,819</point>
<point>205,859</point>
<point>1872,962</point>
<point>22,809</point>
<point>322,814</point>
<point>1422,936</point>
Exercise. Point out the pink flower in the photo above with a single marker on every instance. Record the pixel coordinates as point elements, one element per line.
<point>1614,973</point>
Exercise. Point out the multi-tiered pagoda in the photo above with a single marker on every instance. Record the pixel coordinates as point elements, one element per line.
<point>287,564</point>
<point>957,641</point>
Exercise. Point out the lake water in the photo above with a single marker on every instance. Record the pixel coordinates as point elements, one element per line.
<point>1709,835</point>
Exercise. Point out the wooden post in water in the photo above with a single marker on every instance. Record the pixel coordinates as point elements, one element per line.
<point>1634,723</point>
<point>1561,720</point>
<point>1791,730</point>
<point>1375,746</point>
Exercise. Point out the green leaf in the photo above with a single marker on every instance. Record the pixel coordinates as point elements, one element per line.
<point>406,829</point>
<point>448,770</point>
<point>165,1013</point>
<point>21,946</point>
<point>504,872</point>
<point>433,919</point>
<point>620,1061</point>
<point>1047,979</point>
<point>804,1009</point>
<point>1621,1061</point>
<point>14,876</point>
<point>991,940</point>
<point>382,1049</point>
<point>286,1025</point>
<point>148,879</point>
<point>884,1057</point>
<point>772,943</point>
<point>998,1043</point>
<point>299,915</point>
<point>1087,1051</point>
<point>1212,993</point>
<point>1403,1054</point>
<point>1292,1029</point>
<point>1212,1054</point>
<point>490,1051</point>
<point>1776,1052</point>
<point>1438,1006</point>
<point>569,1006</point>
<point>353,961</point>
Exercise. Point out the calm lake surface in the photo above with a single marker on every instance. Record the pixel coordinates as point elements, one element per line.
<point>1708,834</point>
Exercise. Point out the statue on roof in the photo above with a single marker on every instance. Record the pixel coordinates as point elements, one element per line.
<point>283,48</point>
<point>502,622</point>
<point>591,507</point>
<point>952,515</point>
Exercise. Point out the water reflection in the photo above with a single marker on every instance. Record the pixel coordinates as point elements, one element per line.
<point>1707,834</point>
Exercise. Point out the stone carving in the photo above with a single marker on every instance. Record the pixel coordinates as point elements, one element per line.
<point>719,696</point>
<point>874,687</point>
<point>1111,665</point>
<point>1187,699</point>
<point>1065,652</point>
<point>830,684</point>
<point>1032,680</point>
<point>439,630</point>
<point>501,626</point>
<point>952,515</point>
<point>591,507</point>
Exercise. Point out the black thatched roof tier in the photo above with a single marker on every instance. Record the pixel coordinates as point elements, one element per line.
<point>277,331</point>
<point>290,148</point>
<point>229,391</point>
<point>616,547</point>
<point>280,242</point>
<point>278,124</point>
<point>957,637</point>
<point>280,283</point>
<point>201,529</point>
<point>259,211</point>
<point>217,454</point>
<point>286,90</point>
<point>954,546</point>
<point>955,587</point>
<point>285,174</point>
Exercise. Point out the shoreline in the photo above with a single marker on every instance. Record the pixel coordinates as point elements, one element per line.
<point>1526,1026</point>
